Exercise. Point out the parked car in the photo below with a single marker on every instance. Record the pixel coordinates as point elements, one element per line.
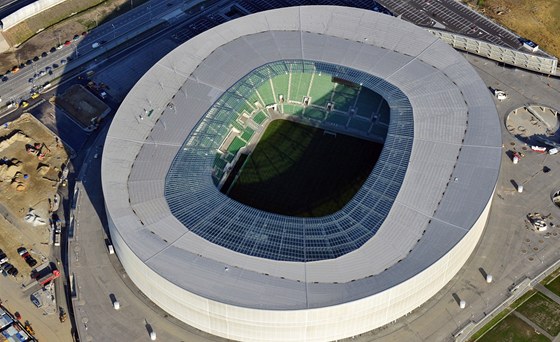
<point>13,271</point>
<point>62,61</point>
<point>66,43</point>
<point>30,260</point>
<point>29,62</point>
<point>53,49</point>
<point>36,58</point>
<point>3,257</point>
<point>6,266</point>
<point>36,302</point>
<point>44,54</point>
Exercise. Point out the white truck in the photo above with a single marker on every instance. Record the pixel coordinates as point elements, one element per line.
<point>500,94</point>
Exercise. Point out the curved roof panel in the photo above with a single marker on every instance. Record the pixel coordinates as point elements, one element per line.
<point>450,177</point>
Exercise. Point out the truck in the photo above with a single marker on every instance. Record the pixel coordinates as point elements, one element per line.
<point>538,222</point>
<point>62,316</point>
<point>47,278</point>
<point>57,239</point>
<point>44,274</point>
<point>500,94</point>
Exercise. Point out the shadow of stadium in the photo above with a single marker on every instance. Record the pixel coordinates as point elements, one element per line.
<point>300,170</point>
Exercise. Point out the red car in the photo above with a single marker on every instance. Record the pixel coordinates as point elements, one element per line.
<point>66,43</point>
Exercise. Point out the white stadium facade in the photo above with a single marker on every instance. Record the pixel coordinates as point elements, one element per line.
<point>244,274</point>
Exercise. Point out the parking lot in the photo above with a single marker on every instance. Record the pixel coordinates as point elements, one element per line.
<point>455,17</point>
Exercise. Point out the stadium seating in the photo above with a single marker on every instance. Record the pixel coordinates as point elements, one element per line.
<point>299,90</point>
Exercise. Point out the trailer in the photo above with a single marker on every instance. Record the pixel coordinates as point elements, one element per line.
<point>45,273</point>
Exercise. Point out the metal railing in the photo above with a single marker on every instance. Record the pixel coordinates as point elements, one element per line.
<point>540,63</point>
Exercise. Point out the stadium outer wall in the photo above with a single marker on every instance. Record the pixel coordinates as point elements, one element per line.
<point>321,324</point>
<point>186,277</point>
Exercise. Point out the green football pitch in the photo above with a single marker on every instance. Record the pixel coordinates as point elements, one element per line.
<point>298,170</point>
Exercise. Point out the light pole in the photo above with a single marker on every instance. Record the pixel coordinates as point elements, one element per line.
<point>114,31</point>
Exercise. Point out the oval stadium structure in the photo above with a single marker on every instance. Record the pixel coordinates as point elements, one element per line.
<point>245,274</point>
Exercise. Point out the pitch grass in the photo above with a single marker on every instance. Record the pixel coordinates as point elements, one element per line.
<point>543,311</point>
<point>297,170</point>
<point>554,286</point>
<point>552,282</point>
<point>513,329</point>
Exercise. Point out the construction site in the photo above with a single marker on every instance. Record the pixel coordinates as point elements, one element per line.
<point>32,168</point>
<point>82,106</point>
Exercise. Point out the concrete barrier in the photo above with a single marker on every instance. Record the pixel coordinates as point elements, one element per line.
<point>27,12</point>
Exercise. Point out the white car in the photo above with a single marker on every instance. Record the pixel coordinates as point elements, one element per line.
<point>3,257</point>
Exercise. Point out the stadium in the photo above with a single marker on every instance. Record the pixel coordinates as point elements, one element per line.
<point>179,144</point>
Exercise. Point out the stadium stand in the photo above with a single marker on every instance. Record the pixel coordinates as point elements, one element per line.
<point>299,91</point>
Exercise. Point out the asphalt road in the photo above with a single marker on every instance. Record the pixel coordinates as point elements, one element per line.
<point>18,86</point>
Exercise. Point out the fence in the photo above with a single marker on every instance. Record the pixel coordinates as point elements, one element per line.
<point>541,63</point>
<point>27,12</point>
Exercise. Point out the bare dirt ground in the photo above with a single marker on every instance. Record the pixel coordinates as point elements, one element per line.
<point>537,20</point>
<point>26,182</point>
<point>34,44</point>
<point>47,327</point>
<point>82,105</point>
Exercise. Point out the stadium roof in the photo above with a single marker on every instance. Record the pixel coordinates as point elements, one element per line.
<point>451,174</point>
<point>236,226</point>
